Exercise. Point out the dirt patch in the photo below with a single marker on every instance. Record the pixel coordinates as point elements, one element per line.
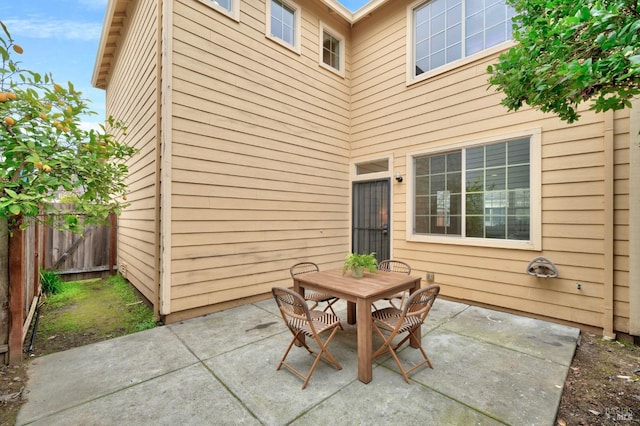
<point>603,384</point>
<point>83,313</point>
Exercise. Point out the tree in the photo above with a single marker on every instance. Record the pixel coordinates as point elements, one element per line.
<point>569,52</point>
<point>44,151</point>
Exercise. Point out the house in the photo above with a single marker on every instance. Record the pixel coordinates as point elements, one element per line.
<point>275,131</point>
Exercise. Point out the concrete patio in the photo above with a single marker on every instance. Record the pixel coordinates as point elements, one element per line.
<point>489,368</point>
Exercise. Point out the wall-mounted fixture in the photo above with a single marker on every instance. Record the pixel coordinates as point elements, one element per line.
<point>398,177</point>
<point>542,267</point>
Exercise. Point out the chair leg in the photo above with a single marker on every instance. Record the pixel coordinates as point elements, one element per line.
<point>327,356</point>
<point>387,347</point>
<point>330,307</point>
<point>322,354</point>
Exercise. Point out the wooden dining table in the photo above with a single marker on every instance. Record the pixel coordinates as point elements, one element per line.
<point>360,294</point>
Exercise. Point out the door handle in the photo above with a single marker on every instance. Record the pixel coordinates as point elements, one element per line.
<point>385,229</point>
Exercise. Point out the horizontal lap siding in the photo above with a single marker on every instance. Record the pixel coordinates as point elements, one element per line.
<point>390,117</point>
<point>131,97</point>
<point>260,155</point>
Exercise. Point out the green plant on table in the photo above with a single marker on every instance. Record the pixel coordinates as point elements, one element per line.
<point>357,263</point>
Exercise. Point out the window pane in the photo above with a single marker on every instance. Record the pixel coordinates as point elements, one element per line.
<point>495,14</point>
<point>422,185</point>
<point>225,4</point>
<point>422,166</point>
<point>475,204</point>
<point>438,164</point>
<point>454,182</point>
<point>372,167</point>
<point>518,227</point>
<point>475,181</point>
<point>474,226</point>
<point>422,206</point>
<point>495,35</point>
<point>496,179</point>
<point>454,162</point>
<point>518,177</point>
<point>496,154</point>
<point>518,151</point>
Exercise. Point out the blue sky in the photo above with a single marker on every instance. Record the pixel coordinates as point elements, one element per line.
<point>61,37</point>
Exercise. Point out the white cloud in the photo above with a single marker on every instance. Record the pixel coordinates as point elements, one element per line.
<point>59,29</point>
<point>87,125</point>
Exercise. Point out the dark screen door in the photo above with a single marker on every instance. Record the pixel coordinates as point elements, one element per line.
<point>370,223</point>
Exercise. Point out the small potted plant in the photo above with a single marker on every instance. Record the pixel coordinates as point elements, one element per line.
<point>357,263</point>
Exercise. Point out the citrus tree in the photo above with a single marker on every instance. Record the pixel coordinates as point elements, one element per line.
<point>45,151</point>
<point>569,52</point>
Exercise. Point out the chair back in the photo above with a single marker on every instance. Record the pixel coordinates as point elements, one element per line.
<point>394,266</point>
<point>303,268</point>
<point>291,304</point>
<point>419,303</point>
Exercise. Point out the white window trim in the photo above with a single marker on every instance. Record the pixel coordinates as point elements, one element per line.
<point>410,54</point>
<point>535,176</point>
<point>324,28</point>
<point>298,26</point>
<point>234,13</point>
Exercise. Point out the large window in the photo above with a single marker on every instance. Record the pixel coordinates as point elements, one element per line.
<point>476,192</point>
<point>447,30</point>
<point>283,23</point>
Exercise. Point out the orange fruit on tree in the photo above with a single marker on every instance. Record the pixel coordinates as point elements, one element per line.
<point>3,96</point>
<point>11,96</point>
<point>18,49</point>
<point>9,121</point>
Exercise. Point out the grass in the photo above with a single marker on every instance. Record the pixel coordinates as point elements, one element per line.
<point>84,312</point>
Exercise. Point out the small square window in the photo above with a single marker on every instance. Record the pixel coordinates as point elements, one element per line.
<point>331,49</point>
<point>283,23</point>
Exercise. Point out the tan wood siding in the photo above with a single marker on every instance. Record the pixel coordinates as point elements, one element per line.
<point>389,116</point>
<point>260,155</point>
<point>131,97</point>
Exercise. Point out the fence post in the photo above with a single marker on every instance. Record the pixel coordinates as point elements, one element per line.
<point>16,294</point>
<point>113,241</point>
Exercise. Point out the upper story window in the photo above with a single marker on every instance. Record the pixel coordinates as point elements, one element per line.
<point>283,23</point>
<point>444,31</point>
<point>230,8</point>
<point>480,194</point>
<point>331,49</point>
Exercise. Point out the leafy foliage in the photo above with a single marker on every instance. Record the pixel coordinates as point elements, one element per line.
<point>355,260</point>
<point>51,282</point>
<point>45,150</point>
<point>569,52</point>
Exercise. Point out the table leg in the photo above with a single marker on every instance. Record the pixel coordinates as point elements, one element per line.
<point>365,340</point>
<point>351,313</point>
<point>414,342</point>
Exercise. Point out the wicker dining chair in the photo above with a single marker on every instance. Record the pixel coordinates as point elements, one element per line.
<point>388,324</point>
<point>304,322</point>
<point>395,266</point>
<point>314,297</point>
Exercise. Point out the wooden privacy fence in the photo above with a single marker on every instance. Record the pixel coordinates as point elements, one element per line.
<point>73,256</point>
<point>76,257</point>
